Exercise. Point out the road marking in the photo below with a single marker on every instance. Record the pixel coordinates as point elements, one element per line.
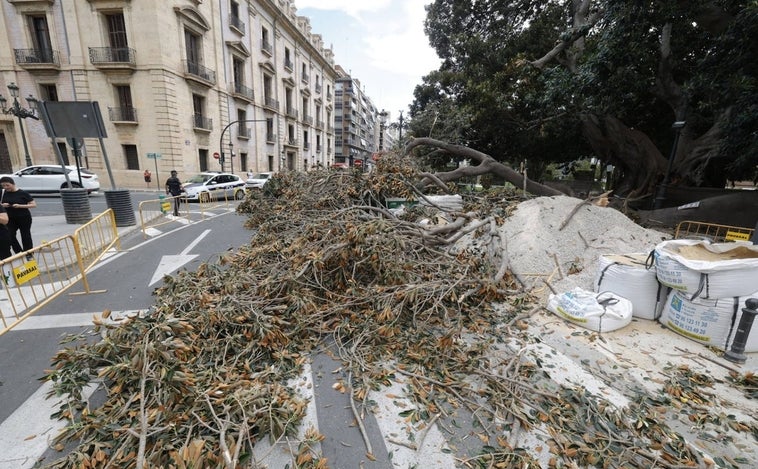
<point>169,264</point>
<point>52,321</point>
<point>29,430</point>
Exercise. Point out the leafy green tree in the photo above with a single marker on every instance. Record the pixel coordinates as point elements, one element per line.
<point>554,81</point>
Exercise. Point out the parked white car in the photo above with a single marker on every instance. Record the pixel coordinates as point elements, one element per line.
<point>50,179</point>
<point>205,187</point>
<point>258,180</point>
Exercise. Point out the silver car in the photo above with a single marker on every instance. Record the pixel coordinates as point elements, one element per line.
<point>258,180</point>
<point>50,178</point>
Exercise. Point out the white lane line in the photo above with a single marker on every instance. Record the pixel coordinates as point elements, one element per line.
<point>281,453</point>
<point>399,433</point>
<point>29,430</point>
<point>52,321</point>
<point>194,243</point>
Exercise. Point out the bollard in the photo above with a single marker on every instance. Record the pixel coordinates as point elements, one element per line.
<point>736,353</point>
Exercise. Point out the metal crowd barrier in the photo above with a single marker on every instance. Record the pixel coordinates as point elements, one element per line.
<point>712,232</point>
<point>222,201</point>
<point>156,212</point>
<point>28,285</point>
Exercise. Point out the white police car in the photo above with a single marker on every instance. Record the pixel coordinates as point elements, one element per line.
<point>208,186</point>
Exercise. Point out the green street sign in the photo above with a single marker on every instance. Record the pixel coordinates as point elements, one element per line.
<point>154,156</point>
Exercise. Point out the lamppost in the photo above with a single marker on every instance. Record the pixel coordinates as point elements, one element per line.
<point>661,196</point>
<point>20,113</point>
<point>221,143</point>
<point>400,121</point>
<point>382,124</point>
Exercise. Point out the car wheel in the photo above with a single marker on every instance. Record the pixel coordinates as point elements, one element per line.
<point>204,197</point>
<point>239,194</point>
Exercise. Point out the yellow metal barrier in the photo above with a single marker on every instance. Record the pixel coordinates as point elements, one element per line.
<point>154,212</point>
<point>206,202</point>
<point>712,232</point>
<point>56,266</point>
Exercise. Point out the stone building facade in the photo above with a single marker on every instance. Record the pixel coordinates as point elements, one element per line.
<point>177,82</point>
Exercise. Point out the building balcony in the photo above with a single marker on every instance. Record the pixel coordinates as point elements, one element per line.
<point>200,122</point>
<point>319,124</point>
<point>328,96</point>
<point>305,78</point>
<point>243,92</point>
<point>267,48</point>
<point>196,72</point>
<point>318,88</point>
<point>270,137</point>
<point>318,148</point>
<point>123,114</point>
<point>291,112</point>
<point>244,133</point>
<point>291,142</point>
<point>271,104</point>
<point>37,58</point>
<point>306,145</point>
<point>308,120</point>
<point>236,23</point>
<point>288,65</point>
<point>330,129</point>
<point>118,58</point>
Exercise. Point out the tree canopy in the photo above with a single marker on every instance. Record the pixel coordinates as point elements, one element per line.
<point>555,81</point>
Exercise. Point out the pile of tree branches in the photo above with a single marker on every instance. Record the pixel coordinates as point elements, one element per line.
<point>204,375</point>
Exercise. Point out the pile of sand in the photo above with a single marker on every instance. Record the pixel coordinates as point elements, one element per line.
<point>539,252</point>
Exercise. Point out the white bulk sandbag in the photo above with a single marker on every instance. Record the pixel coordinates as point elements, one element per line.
<point>627,276</point>
<point>602,312</point>
<point>708,321</point>
<point>707,270</point>
<point>751,345</point>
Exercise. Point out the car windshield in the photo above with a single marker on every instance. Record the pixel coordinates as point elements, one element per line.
<point>261,176</point>
<point>199,178</point>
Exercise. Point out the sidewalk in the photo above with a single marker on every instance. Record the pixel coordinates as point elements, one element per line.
<point>48,228</point>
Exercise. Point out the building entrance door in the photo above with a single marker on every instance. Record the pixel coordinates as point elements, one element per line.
<point>5,157</point>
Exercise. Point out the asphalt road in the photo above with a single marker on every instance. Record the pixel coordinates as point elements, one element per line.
<point>127,280</point>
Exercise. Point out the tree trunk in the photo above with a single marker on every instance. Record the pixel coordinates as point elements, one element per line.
<point>641,163</point>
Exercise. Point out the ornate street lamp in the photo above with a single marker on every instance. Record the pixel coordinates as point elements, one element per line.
<point>382,126</point>
<point>20,113</point>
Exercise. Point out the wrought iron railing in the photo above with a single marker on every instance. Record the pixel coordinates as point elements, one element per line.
<point>123,113</point>
<point>195,69</point>
<point>36,56</point>
<point>112,55</point>
<point>242,90</point>
<point>201,122</point>
<point>236,22</point>
<point>271,103</point>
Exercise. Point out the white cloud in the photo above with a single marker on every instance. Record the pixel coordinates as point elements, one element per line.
<point>382,44</point>
<point>352,7</point>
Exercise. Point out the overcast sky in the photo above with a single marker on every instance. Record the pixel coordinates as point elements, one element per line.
<point>379,42</point>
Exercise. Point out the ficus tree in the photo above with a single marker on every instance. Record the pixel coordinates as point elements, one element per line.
<point>559,80</point>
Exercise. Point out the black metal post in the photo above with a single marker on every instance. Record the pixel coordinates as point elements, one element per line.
<point>737,353</point>
<point>221,140</point>
<point>661,195</point>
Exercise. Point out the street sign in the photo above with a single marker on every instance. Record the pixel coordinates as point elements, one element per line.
<point>216,155</point>
<point>153,156</point>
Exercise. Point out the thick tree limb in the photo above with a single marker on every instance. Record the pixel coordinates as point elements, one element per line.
<point>485,165</point>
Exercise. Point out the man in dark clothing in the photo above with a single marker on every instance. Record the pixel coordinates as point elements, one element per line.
<point>174,188</point>
<point>17,203</point>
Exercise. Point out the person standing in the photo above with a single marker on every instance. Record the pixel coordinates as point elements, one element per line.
<point>174,188</point>
<point>17,203</point>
